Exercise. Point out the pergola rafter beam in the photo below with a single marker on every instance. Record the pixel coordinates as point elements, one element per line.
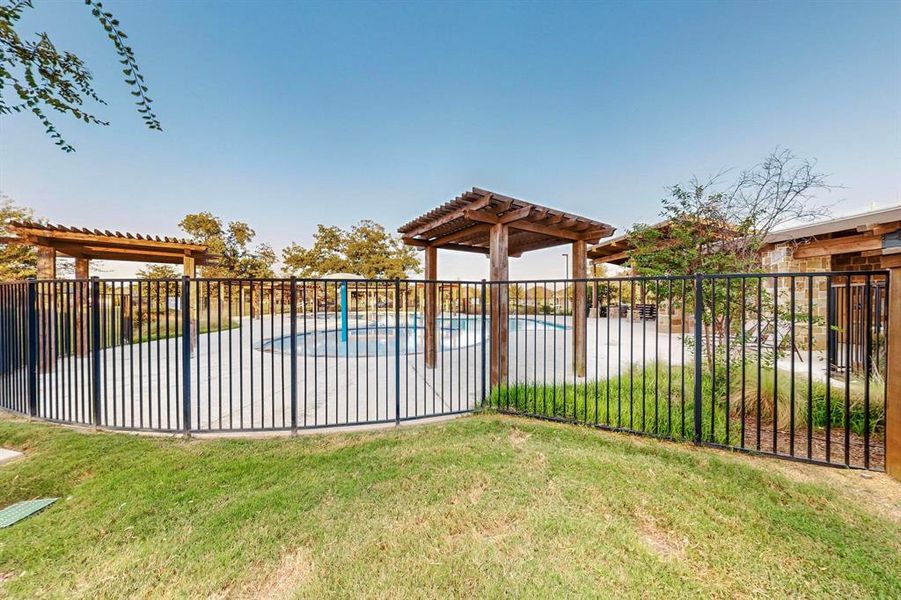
<point>46,237</point>
<point>460,235</point>
<point>553,232</point>
<point>86,244</point>
<point>448,218</point>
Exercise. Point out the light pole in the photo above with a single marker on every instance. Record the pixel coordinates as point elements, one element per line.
<point>566,264</point>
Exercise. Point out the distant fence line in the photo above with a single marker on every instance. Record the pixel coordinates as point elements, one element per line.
<point>790,364</point>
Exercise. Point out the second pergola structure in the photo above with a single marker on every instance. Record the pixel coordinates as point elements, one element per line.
<point>85,245</point>
<point>500,226</point>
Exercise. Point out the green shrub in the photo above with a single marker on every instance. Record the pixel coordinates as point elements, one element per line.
<point>659,399</point>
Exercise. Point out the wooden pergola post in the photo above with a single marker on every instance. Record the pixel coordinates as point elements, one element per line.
<point>189,267</point>
<point>893,373</point>
<point>82,274</point>
<point>498,257</point>
<point>46,269</point>
<point>82,268</point>
<point>580,313</point>
<point>431,306</point>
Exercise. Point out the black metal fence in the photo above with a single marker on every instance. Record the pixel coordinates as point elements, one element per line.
<point>751,362</point>
<point>785,364</point>
<point>854,302</point>
<point>214,355</point>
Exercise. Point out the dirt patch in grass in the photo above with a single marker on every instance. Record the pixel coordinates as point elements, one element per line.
<point>518,437</point>
<point>293,571</point>
<point>471,495</point>
<point>660,541</point>
<point>475,492</point>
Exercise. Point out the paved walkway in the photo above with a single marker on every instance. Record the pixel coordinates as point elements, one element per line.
<point>7,455</point>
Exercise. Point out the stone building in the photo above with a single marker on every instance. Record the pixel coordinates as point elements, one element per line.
<point>862,242</point>
<point>818,253</point>
<point>854,243</point>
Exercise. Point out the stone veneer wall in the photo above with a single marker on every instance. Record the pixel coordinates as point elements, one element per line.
<point>779,259</point>
<point>856,262</point>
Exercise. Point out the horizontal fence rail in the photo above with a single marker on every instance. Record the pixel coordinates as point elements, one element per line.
<point>789,364</point>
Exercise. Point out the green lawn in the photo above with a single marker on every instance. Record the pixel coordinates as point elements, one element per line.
<point>480,506</point>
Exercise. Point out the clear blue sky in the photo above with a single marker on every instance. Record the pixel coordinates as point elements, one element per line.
<point>286,115</point>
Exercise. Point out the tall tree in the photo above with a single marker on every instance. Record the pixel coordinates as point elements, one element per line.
<point>17,261</point>
<point>158,272</point>
<point>367,249</point>
<point>232,243</point>
<point>710,228</point>
<point>40,76</point>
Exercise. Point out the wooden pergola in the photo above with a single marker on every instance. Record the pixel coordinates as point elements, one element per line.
<point>85,245</point>
<point>615,251</point>
<point>489,223</point>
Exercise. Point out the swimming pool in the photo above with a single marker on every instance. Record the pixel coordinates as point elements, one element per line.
<point>378,337</point>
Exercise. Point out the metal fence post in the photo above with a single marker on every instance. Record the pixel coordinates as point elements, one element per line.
<point>32,296</point>
<point>95,347</point>
<point>397,351</point>
<point>293,298</point>
<point>186,354</point>
<point>699,334</point>
<point>484,341</point>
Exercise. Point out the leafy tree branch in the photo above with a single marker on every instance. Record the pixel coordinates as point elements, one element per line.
<point>36,76</point>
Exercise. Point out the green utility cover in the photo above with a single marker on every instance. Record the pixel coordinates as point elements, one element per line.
<point>20,510</point>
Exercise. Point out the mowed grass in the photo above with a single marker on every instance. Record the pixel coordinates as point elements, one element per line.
<point>485,505</point>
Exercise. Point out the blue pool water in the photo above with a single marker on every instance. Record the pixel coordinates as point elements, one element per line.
<point>378,338</point>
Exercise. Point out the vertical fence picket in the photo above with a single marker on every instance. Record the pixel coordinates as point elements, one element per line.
<point>293,351</point>
<point>96,351</point>
<point>396,351</point>
<point>186,354</point>
<point>699,333</point>
<point>32,347</point>
<point>484,341</point>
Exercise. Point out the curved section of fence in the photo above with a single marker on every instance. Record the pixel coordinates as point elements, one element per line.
<point>789,364</point>
<point>238,355</point>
